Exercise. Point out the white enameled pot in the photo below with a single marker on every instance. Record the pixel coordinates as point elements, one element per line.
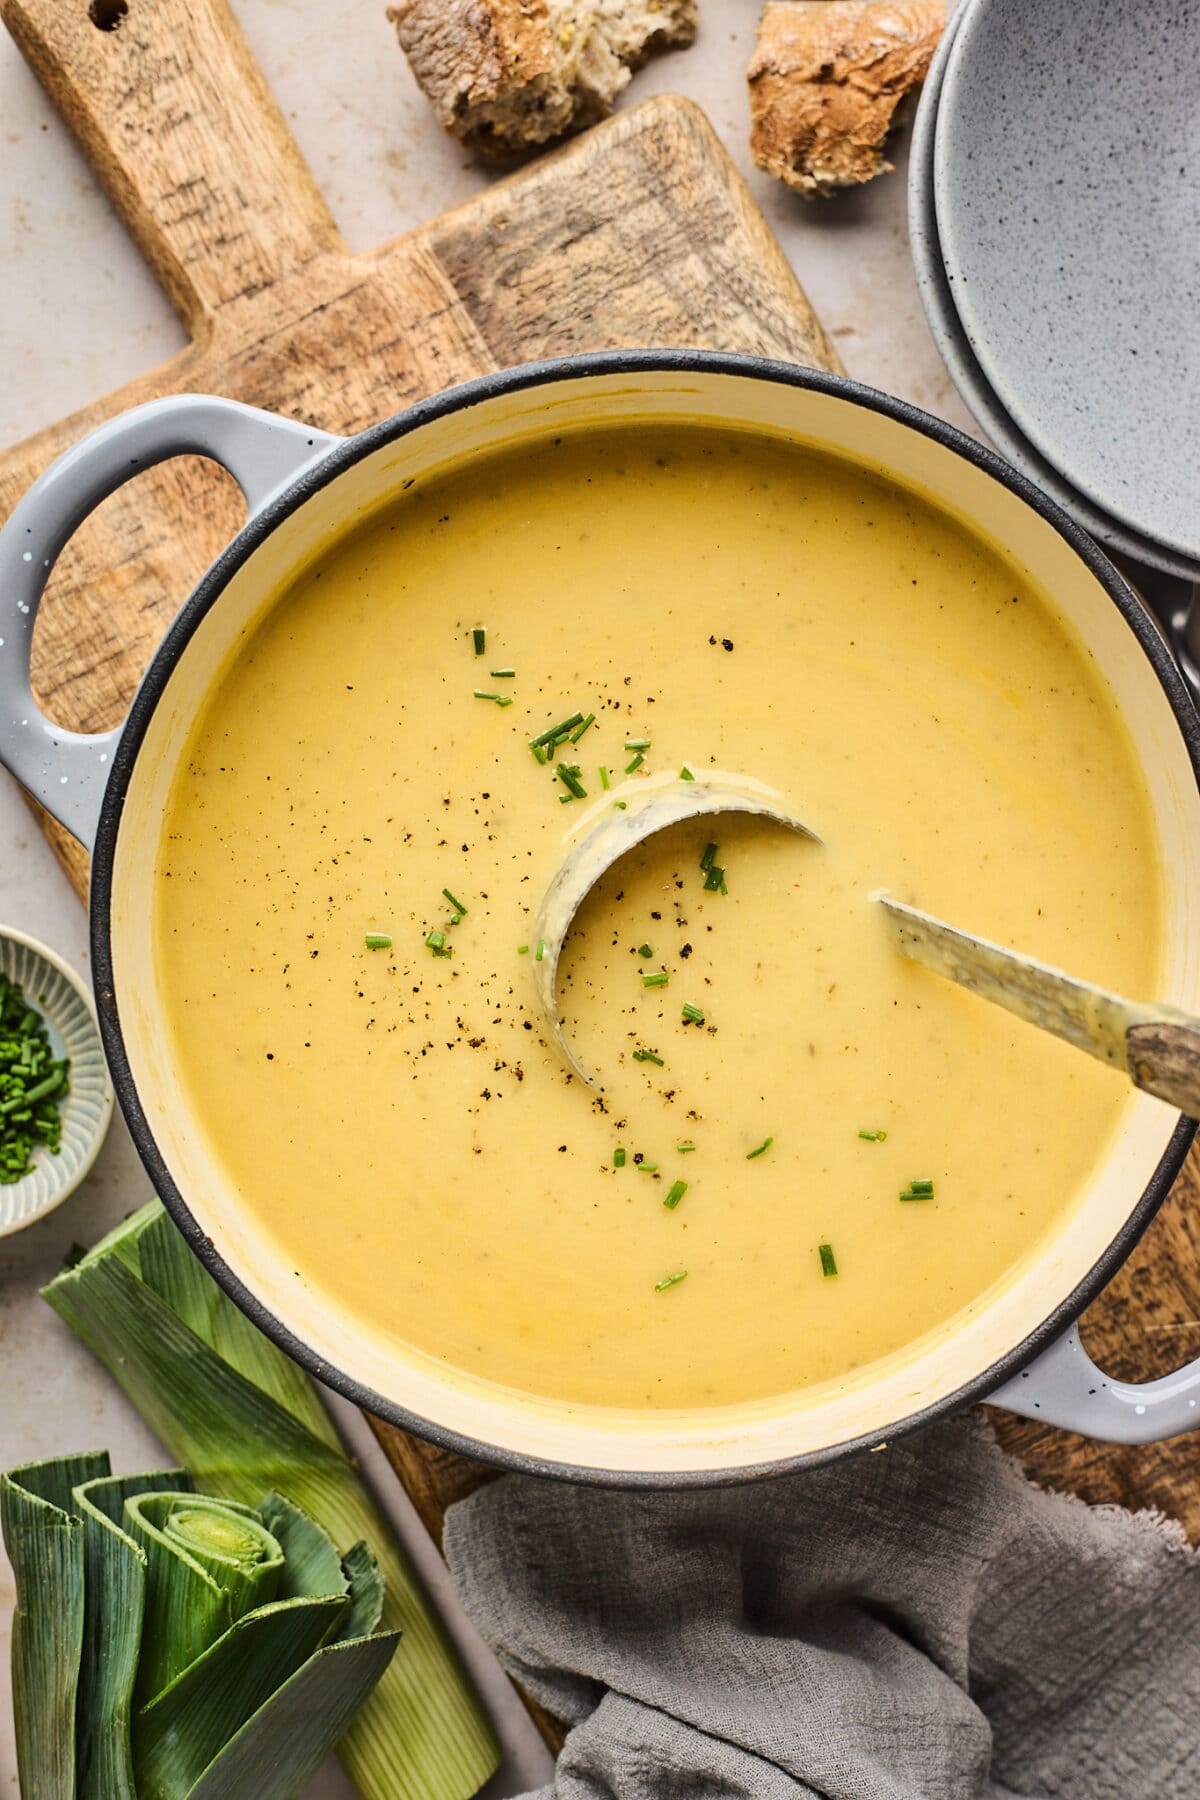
<point>1016,1346</point>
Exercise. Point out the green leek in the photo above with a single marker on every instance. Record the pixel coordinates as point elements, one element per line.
<point>245,1420</point>
<point>158,1632</point>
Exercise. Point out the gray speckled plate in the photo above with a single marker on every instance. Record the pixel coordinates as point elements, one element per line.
<point>968,377</point>
<point>65,1004</point>
<point>1067,190</point>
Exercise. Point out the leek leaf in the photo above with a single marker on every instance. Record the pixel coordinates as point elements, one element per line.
<point>185,1728</point>
<point>207,1564</point>
<point>422,1734</point>
<point>45,1546</point>
<point>309,1713</point>
<point>311,1565</point>
<point>114,1605</point>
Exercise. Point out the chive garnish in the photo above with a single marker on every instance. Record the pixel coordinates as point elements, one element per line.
<point>714,880</point>
<point>706,861</point>
<point>540,951</point>
<point>670,1281</point>
<point>568,774</point>
<point>762,1148</point>
<point>692,1014</point>
<point>828,1260</point>
<point>645,950</point>
<point>605,783</point>
<point>522,949</point>
<point>874,1137</point>
<point>685,1146</point>
<point>378,940</point>
<point>685,774</point>
<point>921,1188</point>
<point>621,805</point>
<point>659,978</point>
<point>648,1056</point>
<point>480,636</point>
<point>637,762</point>
<point>618,1157</point>
<point>503,674</point>
<point>436,941</point>
<point>539,755</point>
<point>561,730</point>
<point>582,727</point>
<point>458,906</point>
<point>500,699</point>
<point>637,743</point>
<point>648,1168</point>
<point>674,1194</point>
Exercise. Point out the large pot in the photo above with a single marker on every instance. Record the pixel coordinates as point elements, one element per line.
<point>302,487</point>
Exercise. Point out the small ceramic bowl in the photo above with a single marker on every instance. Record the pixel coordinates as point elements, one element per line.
<point>66,1005</point>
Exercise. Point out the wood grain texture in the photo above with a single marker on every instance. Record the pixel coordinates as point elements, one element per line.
<point>640,233</point>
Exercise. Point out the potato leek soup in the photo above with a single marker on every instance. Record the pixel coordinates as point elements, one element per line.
<point>804,1154</point>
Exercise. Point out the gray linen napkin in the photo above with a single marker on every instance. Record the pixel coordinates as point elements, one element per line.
<point>920,1623</point>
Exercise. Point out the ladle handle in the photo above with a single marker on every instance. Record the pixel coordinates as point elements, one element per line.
<point>68,771</point>
<point>1064,1387</point>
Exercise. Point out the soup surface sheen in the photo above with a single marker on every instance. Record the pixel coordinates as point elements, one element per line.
<point>397,1118</point>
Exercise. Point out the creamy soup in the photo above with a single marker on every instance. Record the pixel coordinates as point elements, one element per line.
<point>398,1119</point>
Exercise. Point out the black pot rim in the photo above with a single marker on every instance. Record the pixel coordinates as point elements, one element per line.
<point>207,591</point>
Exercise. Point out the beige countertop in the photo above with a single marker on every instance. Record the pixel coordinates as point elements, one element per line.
<point>80,313</point>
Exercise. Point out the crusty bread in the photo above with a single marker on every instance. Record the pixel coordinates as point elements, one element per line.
<point>506,74</point>
<point>825,80</point>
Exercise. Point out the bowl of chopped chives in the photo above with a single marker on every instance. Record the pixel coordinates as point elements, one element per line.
<point>56,1098</point>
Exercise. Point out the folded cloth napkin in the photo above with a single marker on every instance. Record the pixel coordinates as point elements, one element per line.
<point>919,1623</point>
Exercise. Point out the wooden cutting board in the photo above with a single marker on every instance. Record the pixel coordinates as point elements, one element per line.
<point>640,233</point>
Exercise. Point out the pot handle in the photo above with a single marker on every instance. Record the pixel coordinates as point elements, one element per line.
<point>1064,1387</point>
<point>67,771</point>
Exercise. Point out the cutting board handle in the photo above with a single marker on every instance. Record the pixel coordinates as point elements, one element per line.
<point>174,115</point>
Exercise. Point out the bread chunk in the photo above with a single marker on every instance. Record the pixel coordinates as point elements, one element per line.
<point>503,75</point>
<point>826,79</point>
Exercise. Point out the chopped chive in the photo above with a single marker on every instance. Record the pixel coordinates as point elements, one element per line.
<point>557,731</point>
<point>762,1148</point>
<point>648,1056</point>
<point>522,949</point>
<point>539,755</point>
<point>566,799</point>
<point>480,636</point>
<point>458,906</point>
<point>685,1146</point>
<point>500,699</point>
<point>872,1137</point>
<point>378,940</point>
<point>674,1194</point>
<point>540,951</point>
<point>648,1168</point>
<point>503,674</point>
<point>658,978</point>
<point>670,1281</point>
<point>692,1014</point>
<point>828,1260</point>
<point>685,774</point>
<point>637,743</point>
<point>645,950</point>
<point>706,861</point>
<point>921,1184</point>
<point>582,727</point>
<point>568,774</point>
<point>621,805</point>
<point>604,781</point>
<point>714,880</point>
<point>436,941</point>
<point>619,1157</point>
<point>637,762</point>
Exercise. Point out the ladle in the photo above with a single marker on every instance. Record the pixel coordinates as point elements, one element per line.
<point>1158,1046</point>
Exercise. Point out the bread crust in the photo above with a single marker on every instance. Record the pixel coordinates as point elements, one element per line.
<point>825,81</point>
<point>504,75</point>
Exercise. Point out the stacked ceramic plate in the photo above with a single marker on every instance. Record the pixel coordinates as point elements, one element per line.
<point>1054,210</point>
